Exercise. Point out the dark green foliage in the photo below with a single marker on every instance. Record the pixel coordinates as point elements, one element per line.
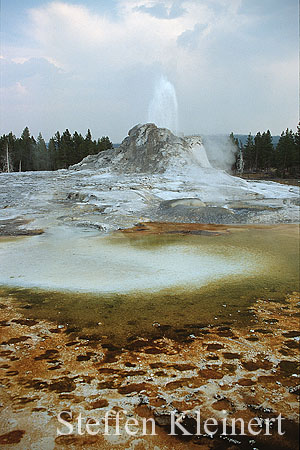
<point>103,144</point>
<point>262,152</point>
<point>234,141</point>
<point>249,153</point>
<point>260,155</point>
<point>80,149</point>
<point>287,154</point>
<point>51,154</point>
<point>238,164</point>
<point>24,153</point>
<point>26,150</point>
<point>66,150</point>
<point>40,154</point>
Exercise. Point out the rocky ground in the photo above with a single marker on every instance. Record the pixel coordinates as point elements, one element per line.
<point>153,175</point>
<point>264,177</point>
<point>222,370</point>
<point>106,201</point>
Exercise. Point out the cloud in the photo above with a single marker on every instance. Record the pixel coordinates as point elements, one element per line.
<point>22,69</point>
<point>92,69</point>
<point>191,38</point>
<point>163,11</point>
<point>20,60</point>
<point>15,90</point>
<point>71,34</point>
<point>90,45</point>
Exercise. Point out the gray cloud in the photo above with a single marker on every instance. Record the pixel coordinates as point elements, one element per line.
<point>161,11</point>
<point>232,71</point>
<point>13,72</point>
<point>191,38</point>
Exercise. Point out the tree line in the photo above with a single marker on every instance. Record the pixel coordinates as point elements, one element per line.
<point>259,154</point>
<point>27,153</point>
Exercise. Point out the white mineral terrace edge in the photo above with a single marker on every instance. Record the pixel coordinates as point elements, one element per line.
<point>68,259</point>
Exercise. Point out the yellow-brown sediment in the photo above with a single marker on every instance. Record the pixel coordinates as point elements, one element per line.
<point>240,370</point>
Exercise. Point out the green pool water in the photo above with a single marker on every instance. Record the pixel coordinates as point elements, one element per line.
<point>154,285</point>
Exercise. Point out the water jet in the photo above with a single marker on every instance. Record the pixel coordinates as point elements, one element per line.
<point>163,108</point>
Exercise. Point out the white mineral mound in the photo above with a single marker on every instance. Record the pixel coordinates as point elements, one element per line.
<point>149,149</point>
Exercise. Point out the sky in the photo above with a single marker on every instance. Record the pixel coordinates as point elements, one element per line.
<point>95,64</point>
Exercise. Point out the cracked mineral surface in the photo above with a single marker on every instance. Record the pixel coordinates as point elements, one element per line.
<point>222,370</point>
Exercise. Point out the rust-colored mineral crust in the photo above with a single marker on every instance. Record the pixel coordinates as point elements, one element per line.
<point>222,371</point>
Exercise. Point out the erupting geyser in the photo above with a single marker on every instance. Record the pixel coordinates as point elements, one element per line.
<point>163,108</point>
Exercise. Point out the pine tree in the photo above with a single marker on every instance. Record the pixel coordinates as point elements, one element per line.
<point>266,151</point>
<point>66,150</point>
<point>41,161</point>
<point>2,151</point>
<point>79,148</point>
<point>90,145</point>
<point>51,154</point>
<point>249,153</point>
<point>57,143</point>
<point>104,144</point>
<point>24,153</point>
<point>257,153</point>
<point>12,145</point>
<point>296,159</point>
<point>6,153</point>
<point>26,150</point>
<point>286,154</point>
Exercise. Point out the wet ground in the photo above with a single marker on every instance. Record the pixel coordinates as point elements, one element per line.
<point>17,227</point>
<point>177,275</point>
<point>103,200</point>
<point>222,370</point>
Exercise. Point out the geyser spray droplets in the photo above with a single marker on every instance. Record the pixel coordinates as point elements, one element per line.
<point>163,111</point>
<point>163,108</point>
